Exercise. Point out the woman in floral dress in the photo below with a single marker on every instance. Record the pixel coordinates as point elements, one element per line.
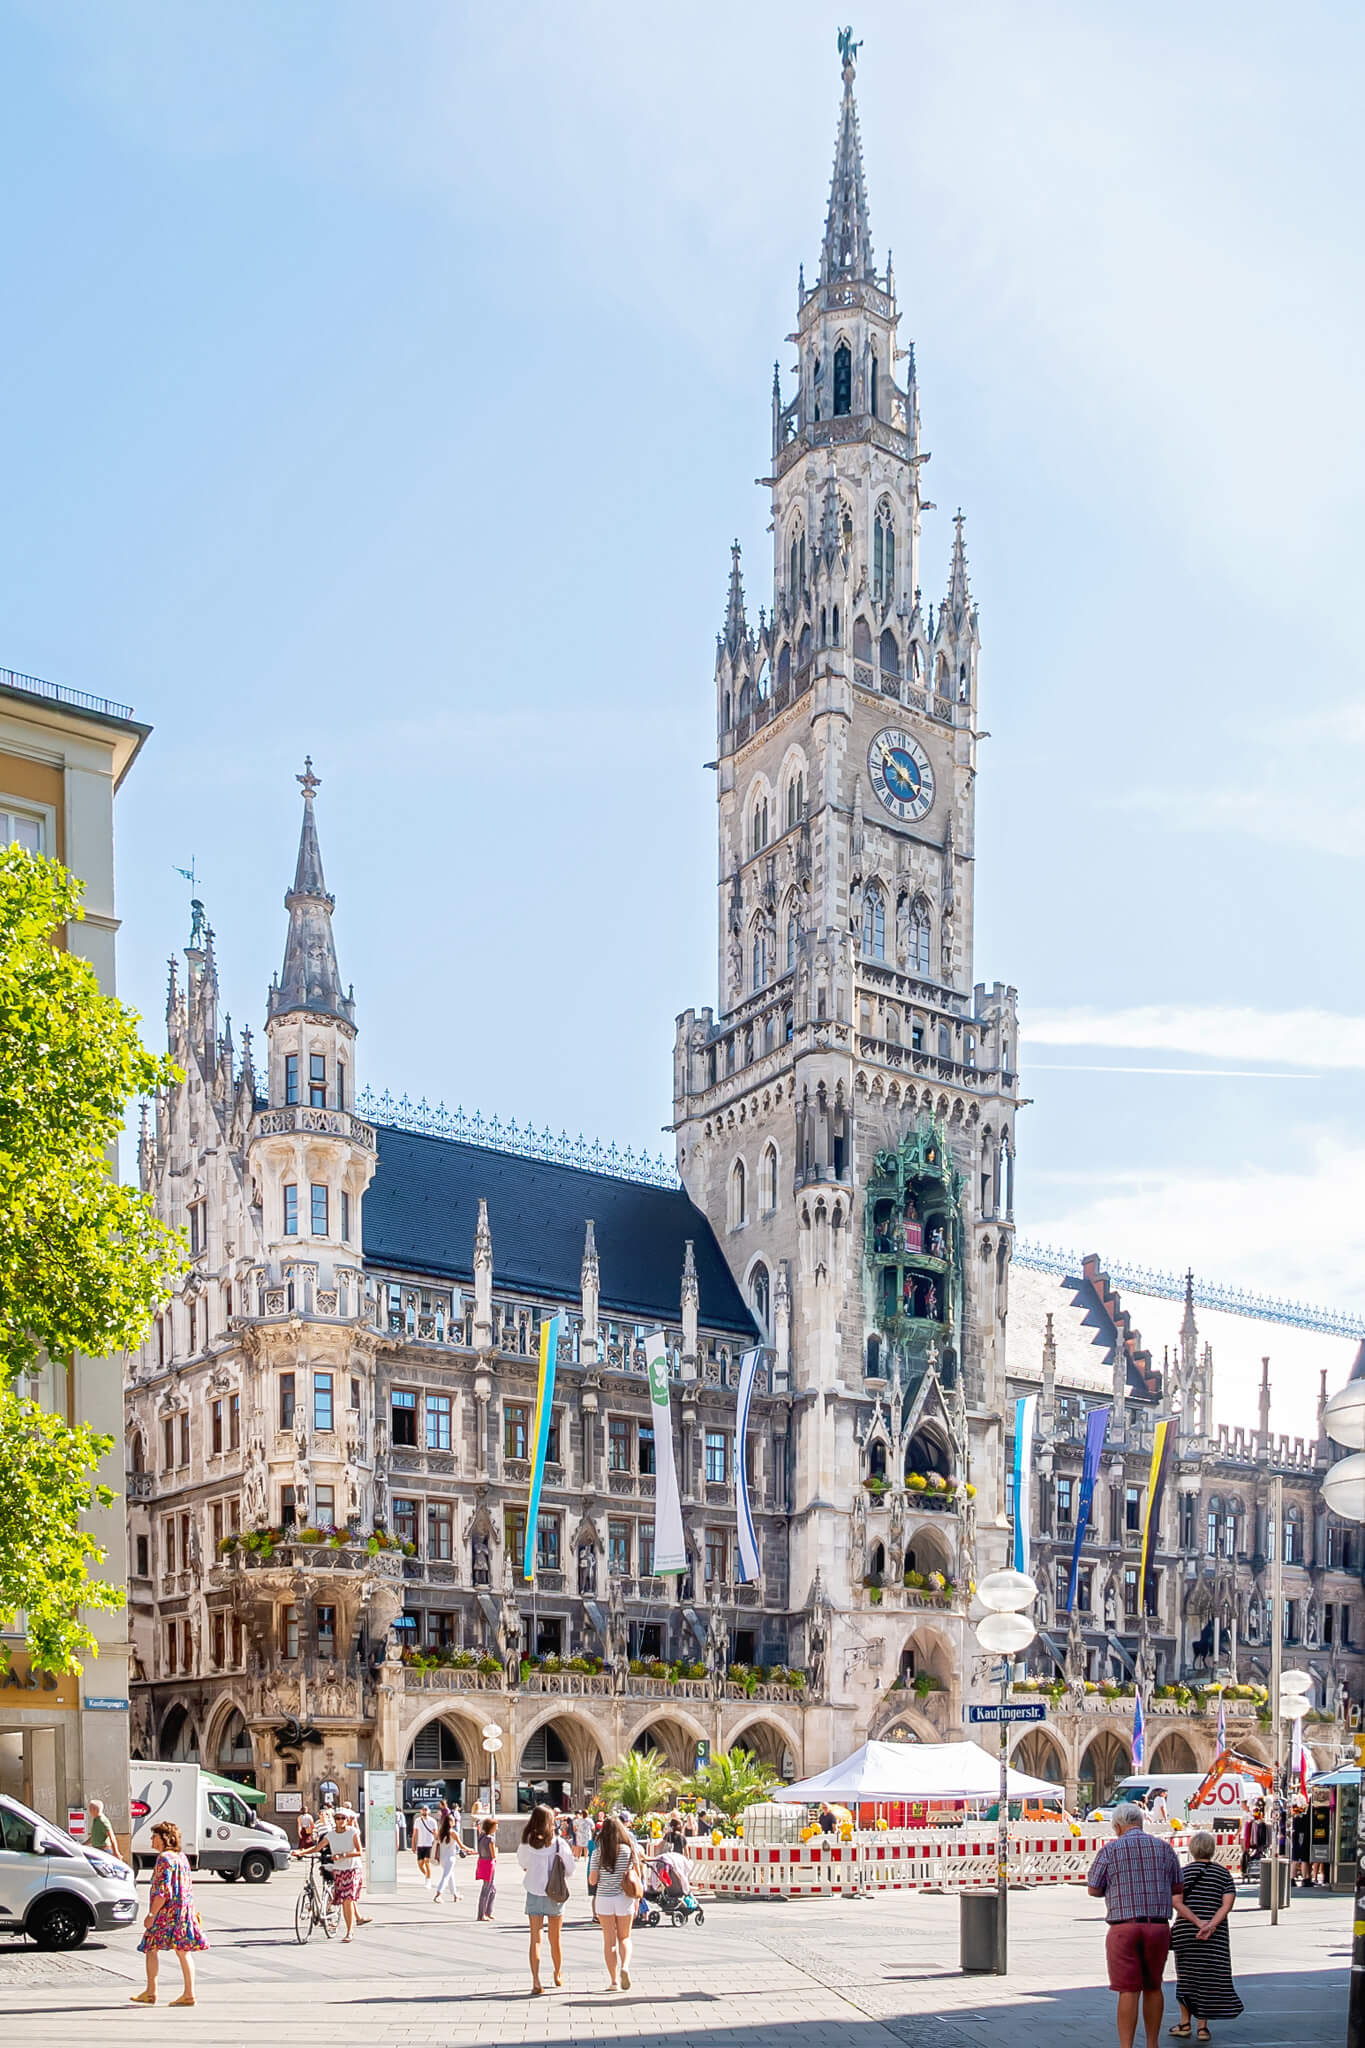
<point>172,1920</point>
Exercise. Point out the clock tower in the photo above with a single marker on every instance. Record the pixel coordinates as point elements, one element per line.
<point>845,1115</point>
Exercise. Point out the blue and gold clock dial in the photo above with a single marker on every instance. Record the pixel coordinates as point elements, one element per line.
<point>902,774</point>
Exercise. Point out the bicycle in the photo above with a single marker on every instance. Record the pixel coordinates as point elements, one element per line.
<point>315,1906</point>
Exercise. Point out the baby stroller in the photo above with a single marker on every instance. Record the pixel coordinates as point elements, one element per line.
<point>667,1893</point>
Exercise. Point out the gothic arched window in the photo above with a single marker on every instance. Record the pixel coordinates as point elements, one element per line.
<point>873,375</point>
<point>793,932</point>
<point>784,668</point>
<point>760,1293</point>
<point>843,379</point>
<point>767,1180</point>
<point>889,655</point>
<point>758,836</point>
<point>798,560</point>
<point>921,937</point>
<point>884,555</point>
<point>803,648</point>
<point>739,1212</point>
<point>796,801</point>
<point>862,640</point>
<point>874,926</point>
<point>760,954</point>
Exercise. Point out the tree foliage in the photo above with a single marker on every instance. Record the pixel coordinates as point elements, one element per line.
<point>47,1482</point>
<point>641,1782</point>
<point>84,1263</point>
<point>733,1781</point>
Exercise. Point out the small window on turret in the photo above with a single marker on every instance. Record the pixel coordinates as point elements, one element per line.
<point>291,1077</point>
<point>843,379</point>
<point>317,1080</point>
<point>291,1211</point>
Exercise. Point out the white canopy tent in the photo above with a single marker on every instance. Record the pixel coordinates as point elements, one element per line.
<point>882,1771</point>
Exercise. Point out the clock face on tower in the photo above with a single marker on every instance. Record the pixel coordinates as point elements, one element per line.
<point>902,774</point>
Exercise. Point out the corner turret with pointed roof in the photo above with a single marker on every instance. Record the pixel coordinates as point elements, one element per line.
<point>309,979</point>
<point>736,625</point>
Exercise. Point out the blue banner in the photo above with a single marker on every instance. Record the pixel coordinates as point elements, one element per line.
<point>1096,1429</point>
<point>545,1395</point>
<point>1024,1413</point>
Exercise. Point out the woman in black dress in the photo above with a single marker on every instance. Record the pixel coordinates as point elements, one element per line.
<point>1203,1959</point>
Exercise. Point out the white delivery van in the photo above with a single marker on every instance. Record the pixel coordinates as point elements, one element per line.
<point>218,1829</point>
<point>53,1888</point>
<point>1232,1796</point>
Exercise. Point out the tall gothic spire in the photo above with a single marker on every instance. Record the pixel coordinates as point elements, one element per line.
<point>848,240</point>
<point>736,625</point>
<point>309,979</point>
<point>959,592</point>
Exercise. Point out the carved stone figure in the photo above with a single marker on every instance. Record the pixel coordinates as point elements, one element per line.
<point>509,1641</point>
<point>254,1485</point>
<point>587,1569</point>
<point>816,1644</point>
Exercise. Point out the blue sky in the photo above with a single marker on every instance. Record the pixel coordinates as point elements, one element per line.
<point>388,382</point>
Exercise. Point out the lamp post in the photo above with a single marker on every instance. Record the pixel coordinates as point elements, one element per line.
<point>1006,1631</point>
<point>1343,1489</point>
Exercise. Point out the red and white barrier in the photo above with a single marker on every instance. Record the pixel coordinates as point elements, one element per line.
<point>905,1859</point>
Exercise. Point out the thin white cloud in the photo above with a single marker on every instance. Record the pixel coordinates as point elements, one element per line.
<point>1296,1229</point>
<point>1335,826</point>
<point>1304,1038</point>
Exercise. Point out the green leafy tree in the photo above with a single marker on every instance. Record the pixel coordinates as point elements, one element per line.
<point>47,1482</point>
<point>641,1783</point>
<point>84,1263</point>
<point>733,1781</point>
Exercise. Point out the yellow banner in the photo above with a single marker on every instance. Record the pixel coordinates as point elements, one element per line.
<point>36,1692</point>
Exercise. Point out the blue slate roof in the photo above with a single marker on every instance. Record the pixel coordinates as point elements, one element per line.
<point>422,1208</point>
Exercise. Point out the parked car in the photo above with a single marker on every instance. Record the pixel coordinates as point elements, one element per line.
<point>53,1888</point>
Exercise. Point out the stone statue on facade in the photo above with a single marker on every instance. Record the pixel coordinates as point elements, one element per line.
<point>817,1644</point>
<point>587,1568</point>
<point>303,1482</point>
<point>618,1637</point>
<point>509,1641</point>
<point>717,1645</point>
<point>254,1485</point>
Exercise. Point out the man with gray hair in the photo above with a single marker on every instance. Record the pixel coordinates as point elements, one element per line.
<point>1139,1880</point>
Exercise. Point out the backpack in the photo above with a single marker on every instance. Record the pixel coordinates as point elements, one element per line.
<point>557,1883</point>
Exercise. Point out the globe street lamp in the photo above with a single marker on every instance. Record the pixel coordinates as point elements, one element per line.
<point>1006,1631</point>
<point>1343,1489</point>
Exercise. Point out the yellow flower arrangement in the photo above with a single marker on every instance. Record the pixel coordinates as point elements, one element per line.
<point>716,1837</point>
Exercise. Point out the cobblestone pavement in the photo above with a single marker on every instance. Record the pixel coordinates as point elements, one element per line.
<point>834,1973</point>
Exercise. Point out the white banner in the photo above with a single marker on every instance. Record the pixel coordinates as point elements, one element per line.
<point>748,1538</point>
<point>670,1546</point>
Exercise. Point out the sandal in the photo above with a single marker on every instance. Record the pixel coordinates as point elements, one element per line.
<point>143,1998</point>
<point>1203,2035</point>
<point>1180,2033</point>
<point>183,2000</point>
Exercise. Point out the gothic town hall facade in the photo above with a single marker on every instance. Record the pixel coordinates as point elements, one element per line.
<point>329,1427</point>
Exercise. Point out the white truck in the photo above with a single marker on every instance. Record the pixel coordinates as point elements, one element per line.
<point>218,1829</point>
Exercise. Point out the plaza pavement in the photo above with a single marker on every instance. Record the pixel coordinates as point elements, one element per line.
<point>879,1972</point>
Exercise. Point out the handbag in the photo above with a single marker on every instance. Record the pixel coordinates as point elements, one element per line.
<point>557,1883</point>
<point>633,1883</point>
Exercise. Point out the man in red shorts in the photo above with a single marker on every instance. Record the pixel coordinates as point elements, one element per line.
<point>1139,1880</point>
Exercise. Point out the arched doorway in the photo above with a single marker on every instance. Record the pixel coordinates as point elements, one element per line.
<point>1106,1761</point>
<point>559,1765</point>
<point>1173,1753</point>
<point>435,1767</point>
<point>178,1742</point>
<point>675,1744</point>
<point>768,1742</point>
<point>1038,1757</point>
<point>236,1757</point>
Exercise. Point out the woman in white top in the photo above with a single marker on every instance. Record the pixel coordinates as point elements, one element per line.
<point>449,1848</point>
<point>342,1842</point>
<point>541,1849</point>
<point>616,1853</point>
